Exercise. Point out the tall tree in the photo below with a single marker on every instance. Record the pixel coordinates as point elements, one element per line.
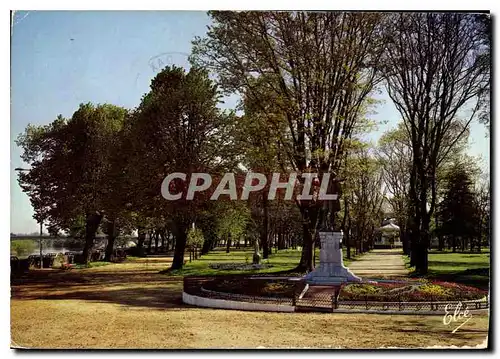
<point>363,199</point>
<point>483,208</point>
<point>71,167</point>
<point>394,153</point>
<point>432,82</point>
<point>310,71</point>
<point>176,128</point>
<point>457,212</point>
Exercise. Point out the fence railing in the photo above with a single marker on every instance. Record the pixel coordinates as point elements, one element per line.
<point>329,300</point>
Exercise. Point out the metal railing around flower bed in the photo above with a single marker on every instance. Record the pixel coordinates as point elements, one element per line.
<point>323,301</point>
<point>330,300</point>
<point>199,286</point>
<point>246,298</point>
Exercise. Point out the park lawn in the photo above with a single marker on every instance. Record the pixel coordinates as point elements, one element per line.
<point>282,260</point>
<point>78,324</point>
<point>462,267</point>
<point>133,306</point>
<point>91,265</point>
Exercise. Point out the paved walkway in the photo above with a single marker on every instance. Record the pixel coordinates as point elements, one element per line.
<point>380,263</point>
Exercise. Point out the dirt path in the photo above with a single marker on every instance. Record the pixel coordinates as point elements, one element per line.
<point>380,263</point>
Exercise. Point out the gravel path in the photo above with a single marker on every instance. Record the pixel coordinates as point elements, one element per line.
<point>380,263</point>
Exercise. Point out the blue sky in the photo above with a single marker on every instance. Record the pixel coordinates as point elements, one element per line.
<point>61,59</point>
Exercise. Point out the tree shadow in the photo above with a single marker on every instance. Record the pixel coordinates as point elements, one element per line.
<point>452,264</point>
<point>128,288</point>
<point>433,328</point>
<point>163,297</point>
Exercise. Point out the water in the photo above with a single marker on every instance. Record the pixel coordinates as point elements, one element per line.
<point>27,247</point>
<point>23,248</point>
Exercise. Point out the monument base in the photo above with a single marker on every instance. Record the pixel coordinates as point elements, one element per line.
<point>331,270</point>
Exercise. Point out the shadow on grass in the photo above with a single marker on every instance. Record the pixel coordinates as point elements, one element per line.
<point>134,289</point>
<point>159,297</point>
<point>452,264</point>
<point>483,252</point>
<point>432,328</point>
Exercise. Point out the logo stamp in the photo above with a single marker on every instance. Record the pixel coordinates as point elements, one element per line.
<point>460,316</point>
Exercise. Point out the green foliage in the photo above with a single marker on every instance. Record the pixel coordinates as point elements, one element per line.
<point>234,222</point>
<point>195,237</point>
<point>176,128</point>
<point>70,163</point>
<point>363,197</point>
<point>457,212</point>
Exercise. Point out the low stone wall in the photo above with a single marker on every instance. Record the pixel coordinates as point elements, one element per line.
<point>232,304</point>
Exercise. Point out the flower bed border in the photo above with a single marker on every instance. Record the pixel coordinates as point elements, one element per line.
<point>195,294</point>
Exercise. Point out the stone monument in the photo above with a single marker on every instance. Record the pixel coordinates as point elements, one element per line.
<point>331,270</point>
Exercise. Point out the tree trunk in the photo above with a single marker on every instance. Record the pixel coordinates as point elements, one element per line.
<point>91,225</point>
<point>141,238</point>
<point>150,243</point>
<point>281,238</point>
<point>440,242</point>
<point>207,245</point>
<point>264,230</point>
<point>163,241</point>
<point>403,237</point>
<point>111,240</point>
<point>414,207</point>
<point>309,225</point>
<point>422,263</point>
<point>307,258</point>
<point>228,243</point>
<point>180,246</point>
<point>157,238</point>
<point>348,241</point>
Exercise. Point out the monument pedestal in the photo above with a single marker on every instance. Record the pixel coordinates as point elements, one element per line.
<point>331,268</point>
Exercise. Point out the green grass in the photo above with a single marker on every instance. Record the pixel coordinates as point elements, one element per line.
<point>449,262</point>
<point>461,267</point>
<point>91,265</point>
<point>283,260</point>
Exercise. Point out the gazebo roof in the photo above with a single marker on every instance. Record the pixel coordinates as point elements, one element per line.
<point>391,227</point>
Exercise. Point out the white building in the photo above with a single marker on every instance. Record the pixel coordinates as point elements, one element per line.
<point>389,236</point>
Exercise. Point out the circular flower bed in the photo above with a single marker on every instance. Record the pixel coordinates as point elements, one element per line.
<point>383,291</point>
<point>237,266</point>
